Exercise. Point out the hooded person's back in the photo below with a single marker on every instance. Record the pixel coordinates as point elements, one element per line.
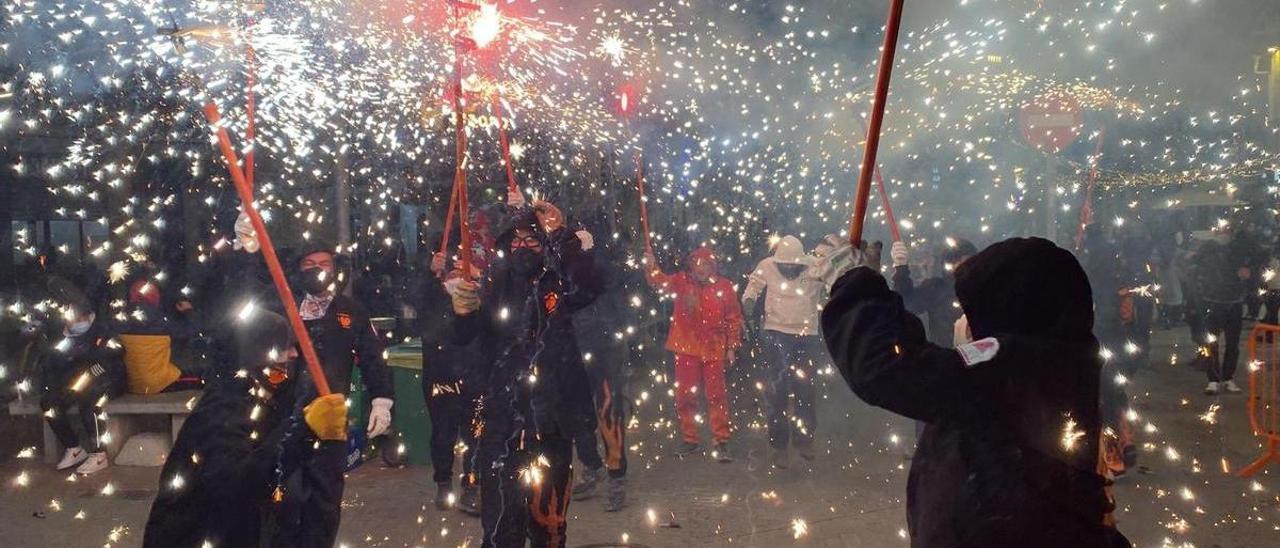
<point>1009,454</point>
<point>216,482</point>
<point>791,289</point>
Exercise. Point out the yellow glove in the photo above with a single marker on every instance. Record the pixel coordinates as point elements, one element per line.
<point>327,417</point>
<point>464,296</point>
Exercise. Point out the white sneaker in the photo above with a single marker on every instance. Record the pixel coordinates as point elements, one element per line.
<point>72,457</point>
<point>95,463</point>
<point>1212,389</point>
<point>1231,387</point>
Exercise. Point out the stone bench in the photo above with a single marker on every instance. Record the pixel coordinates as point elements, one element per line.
<point>127,415</point>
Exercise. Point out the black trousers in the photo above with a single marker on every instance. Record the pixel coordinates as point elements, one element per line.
<point>1224,321</point>
<point>609,390</point>
<point>791,373</point>
<point>311,511</point>
<point>451,404</point>
<point>525,484</point>
<point>81,390</point>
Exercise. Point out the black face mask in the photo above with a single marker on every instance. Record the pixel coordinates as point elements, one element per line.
<point>316,281</point>
<point>525,261</point>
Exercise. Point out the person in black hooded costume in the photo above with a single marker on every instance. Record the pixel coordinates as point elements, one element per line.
<point>536,396</point>
<point>1009,455</point>
<point>344,339</point>
<point>450,384</point>
<point>221,481</point>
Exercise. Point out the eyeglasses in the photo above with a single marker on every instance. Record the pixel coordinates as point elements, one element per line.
<point>527,242</point>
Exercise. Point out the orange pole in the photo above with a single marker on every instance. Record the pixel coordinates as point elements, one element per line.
<point>1086,212</point>
<point>639,160</point>
<point>448,224</point>
<point>460,154</point>
<point>644,207</point>
<point>268,252</point>
<point>877,120</point>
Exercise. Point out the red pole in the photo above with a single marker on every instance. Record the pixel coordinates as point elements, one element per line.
<point>268,252</point>
<point>644,207</point>
<point>877,119</point>
<point>889,217</point>
<point>460,155</point>
<point>1086,212</point>
<point>506,150</point>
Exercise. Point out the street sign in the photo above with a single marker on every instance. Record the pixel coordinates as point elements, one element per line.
<point>1050,122</point>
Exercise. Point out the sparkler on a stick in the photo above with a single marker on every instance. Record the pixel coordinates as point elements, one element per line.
<point>624,105</point>
<point>245,192</point>
<point>877,119</point>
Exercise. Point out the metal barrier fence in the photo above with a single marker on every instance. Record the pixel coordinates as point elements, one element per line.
<point>1264,394</point>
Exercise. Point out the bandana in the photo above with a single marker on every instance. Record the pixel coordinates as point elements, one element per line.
<point>314,308</point>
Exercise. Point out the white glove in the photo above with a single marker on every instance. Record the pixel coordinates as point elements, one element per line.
<point>585,239</point>
<point>898,252</point>
<point>246,238</point>
<point>379,417</point>
<point>846,258</point>
<point>515,199</point>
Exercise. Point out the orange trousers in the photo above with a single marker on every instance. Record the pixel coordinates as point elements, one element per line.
<point>694,375</point>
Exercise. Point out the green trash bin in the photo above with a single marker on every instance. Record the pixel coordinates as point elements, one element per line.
<point>410,423</point>
<point>409,415</point>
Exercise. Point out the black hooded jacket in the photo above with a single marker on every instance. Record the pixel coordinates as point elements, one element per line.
<point>535,373</point>
<point>217,481</point>
<point>934,297</point>
<point>344,337</point>
<point>1009,453</point>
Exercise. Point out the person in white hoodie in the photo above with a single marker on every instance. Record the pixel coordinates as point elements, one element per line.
<point>792,285</point>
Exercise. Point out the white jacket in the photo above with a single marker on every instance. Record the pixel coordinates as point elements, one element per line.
<point>792,289</point>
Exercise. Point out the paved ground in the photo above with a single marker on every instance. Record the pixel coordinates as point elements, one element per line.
<point>851,496</point>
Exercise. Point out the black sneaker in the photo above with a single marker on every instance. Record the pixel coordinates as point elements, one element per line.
<point>687,448</point>
<point>469,503</point>
<point>586,487</point>
<point>721,453</point>
<point>617,494</point>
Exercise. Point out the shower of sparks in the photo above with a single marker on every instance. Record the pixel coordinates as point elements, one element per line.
<point>745,116</point>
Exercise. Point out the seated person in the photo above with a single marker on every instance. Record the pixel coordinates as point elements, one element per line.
<point>148,335</point>
<point>82,371</point>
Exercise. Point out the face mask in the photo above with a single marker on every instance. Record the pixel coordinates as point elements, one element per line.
<point>525,261</point>
<point>316,281</point>
<point>80,328</point>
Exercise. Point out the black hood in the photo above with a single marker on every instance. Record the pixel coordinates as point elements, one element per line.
<point>521,218</point>
<point>312,246</point>
<point>342,267</point>
<point>963,248</point>
<point>257,335</point>
<point>1026,286</point>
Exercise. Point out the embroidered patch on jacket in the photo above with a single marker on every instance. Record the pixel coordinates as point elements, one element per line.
<point>344,320</point>
<point>979,351</point>
<point>551,301</point>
